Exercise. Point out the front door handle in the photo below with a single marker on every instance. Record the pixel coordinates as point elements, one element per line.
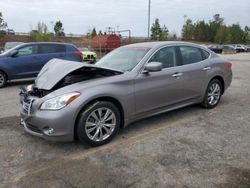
<point>178,74</point>
<point>206,68</point>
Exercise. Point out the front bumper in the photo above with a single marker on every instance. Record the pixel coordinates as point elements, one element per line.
<point>37,121</point>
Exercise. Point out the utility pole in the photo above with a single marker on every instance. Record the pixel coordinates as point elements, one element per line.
<point>149,6</point>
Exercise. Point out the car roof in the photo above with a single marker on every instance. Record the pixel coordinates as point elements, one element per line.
<point>161,43</point>
<point>62,43</point>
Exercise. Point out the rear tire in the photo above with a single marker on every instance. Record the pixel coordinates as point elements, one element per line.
<point>213,94</point>
<point>3,79</point>
<point>98,123</point>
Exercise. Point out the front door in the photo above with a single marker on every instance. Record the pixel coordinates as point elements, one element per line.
<point>24,63</point>
<point>155,90</point>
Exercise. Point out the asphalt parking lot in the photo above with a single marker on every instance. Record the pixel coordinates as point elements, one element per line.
<point>189,147</point>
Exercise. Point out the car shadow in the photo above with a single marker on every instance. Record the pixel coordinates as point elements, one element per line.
<point>163,118</point>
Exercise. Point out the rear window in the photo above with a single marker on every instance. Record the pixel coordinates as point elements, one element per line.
<point>190,54</point>
<point>50,48</point>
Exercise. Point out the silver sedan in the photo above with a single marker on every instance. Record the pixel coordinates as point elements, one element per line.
<point>91,102</point>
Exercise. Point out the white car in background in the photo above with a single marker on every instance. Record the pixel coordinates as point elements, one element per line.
<point>240,48</point>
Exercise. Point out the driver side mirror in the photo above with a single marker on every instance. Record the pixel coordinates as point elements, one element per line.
<point>13,53</point>
<point>153,67</point>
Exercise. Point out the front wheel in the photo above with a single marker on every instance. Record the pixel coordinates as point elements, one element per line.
<point>98,123</point>
<point>3,79</point>
<point>213,94</point>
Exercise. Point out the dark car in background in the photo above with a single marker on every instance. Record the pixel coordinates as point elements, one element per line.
<point>26,60</point>
<point>216,48</point>
<point>222,49</point>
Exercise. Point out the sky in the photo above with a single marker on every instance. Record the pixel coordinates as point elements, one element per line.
<point>78,17</point>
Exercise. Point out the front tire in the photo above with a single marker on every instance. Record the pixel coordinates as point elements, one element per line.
<point>98,123</point>
<point>213,94</point>
<point>3,79</point>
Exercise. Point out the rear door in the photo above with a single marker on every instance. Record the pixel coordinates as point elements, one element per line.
<point>195,68</point>
<point>47,52</point>
<point>24,63</point>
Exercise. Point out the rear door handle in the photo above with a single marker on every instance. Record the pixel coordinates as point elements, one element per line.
<point>177,74</point>
<point>206,68</point>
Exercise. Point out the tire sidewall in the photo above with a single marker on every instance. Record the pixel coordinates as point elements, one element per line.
<point>205,101</point>
<point>5,79</point>
<point>81,133</point>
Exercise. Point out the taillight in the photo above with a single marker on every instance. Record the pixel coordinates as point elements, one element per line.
<point>78,53</point>
<point>229,65</point>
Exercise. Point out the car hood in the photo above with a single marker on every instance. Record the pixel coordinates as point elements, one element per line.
<point>56,69</point>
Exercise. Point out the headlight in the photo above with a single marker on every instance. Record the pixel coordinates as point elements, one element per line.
<point>59,102</point>
<point>29,87</point>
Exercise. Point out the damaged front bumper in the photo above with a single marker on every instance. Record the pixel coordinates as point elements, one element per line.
<point>50,125</point>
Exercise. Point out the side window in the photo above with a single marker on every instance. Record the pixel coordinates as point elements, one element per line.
<point>26,50</point>
<point>60,48</point>
<point>166,56</point>
<point>190,54</point>
<point>50,48</point>
<point>205,54</point>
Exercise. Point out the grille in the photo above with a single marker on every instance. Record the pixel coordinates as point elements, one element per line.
<point>90,57</point>
<point>33,128</point>
<point>27,106</point>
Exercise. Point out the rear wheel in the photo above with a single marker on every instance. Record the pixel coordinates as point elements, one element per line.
<point>98,123</point>
<point>213,94</point>
<point>3,79</point>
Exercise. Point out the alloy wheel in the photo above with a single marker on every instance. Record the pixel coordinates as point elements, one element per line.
<point>214,93</point>
<point>100,124</point>
<point>2,80</point>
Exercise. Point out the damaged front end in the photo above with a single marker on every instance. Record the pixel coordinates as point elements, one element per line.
<point>60,73</point>
<point>38,98</point>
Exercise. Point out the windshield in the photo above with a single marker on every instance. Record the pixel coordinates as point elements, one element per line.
<point>123,59</point>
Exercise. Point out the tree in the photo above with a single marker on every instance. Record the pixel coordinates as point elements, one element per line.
<point>215,31</point>
<point>100,32</point>
<point>164,33</point>
<point>3,25</point>
<point>156,30</point>
<point>214,25</point>
<point>188,30</point>
<point>93,33</point>
<point>58,28</point>
<point>221,35</point>
<point>235,34</point>
<point>41,32</point>
<point>200,31</point>
<point>247,34</point>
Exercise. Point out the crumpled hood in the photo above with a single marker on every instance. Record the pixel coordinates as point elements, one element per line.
<point>57,69</point>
